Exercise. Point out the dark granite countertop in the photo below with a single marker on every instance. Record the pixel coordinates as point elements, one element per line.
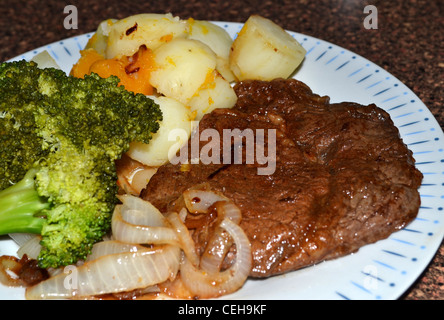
<point>408,43</point>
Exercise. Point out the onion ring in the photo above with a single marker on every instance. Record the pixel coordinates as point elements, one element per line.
<point>199,201</point>
<point>205,285</point>
<point>219,242</point>
<point>8,265</point>
<point>185,240</point>
<point>140,233</point>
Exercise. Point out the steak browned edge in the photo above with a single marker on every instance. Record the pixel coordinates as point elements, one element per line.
<point>343,178</point>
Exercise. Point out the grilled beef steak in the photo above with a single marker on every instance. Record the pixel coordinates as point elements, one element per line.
<point>343,177</point>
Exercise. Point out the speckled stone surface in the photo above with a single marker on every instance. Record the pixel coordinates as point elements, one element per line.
<point>408,43</point>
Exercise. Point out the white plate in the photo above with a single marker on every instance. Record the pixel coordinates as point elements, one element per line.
<point>386,269</point>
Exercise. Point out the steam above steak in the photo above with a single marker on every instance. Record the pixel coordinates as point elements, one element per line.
<point>343,177</point>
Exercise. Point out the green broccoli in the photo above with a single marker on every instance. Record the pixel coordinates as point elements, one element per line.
<point>60,137</point>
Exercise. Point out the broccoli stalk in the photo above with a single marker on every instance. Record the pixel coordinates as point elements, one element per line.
<point>59,139</point>
<point>21,205</point>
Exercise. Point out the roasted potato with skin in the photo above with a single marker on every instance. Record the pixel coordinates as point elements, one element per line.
<point>175,117</point>
<point>264,51</point>
<point>149,29</point>
<point>181,68</point>
<point>218,39</point>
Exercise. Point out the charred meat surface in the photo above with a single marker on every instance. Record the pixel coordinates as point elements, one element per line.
<point>343,177</point>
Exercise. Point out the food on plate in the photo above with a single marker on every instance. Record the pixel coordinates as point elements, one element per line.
<point>126,265</point>
<point>99,40</point>
<point>125,36</point>
<point>182,65</point>
<point>60,138</point>
<point>343,178</point>
<point>132,175</point>
<point>218,40</point>
<point>176,118</point>
<point>185,70</point>
<point>214,93</point>
<point>133,72</point>
<point>162,55</point>
<point>191,61</point>
<point>264,51</point>
<point>45,60</point>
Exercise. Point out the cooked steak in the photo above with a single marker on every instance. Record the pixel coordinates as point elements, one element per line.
<point>343,177</point>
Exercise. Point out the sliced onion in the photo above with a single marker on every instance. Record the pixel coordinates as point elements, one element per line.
<point>9,266</point>
<point>31,248</point>
<point>138,211</point>
<point>124,264</point>
<point>229,210</point>
<point>137,221</point>
<point>21,238</point>
<point>111,274</point>
<point>219,242</point>
<point>208,285</point>
<point>104,248</point>
<point>140,234</point>
<point>215,251</point>
<point>199,201</point>
<point>185,241</point>
<point>133,176</point>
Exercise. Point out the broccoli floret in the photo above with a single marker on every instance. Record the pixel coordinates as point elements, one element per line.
<point>17,123</point>
<point>67,133</point>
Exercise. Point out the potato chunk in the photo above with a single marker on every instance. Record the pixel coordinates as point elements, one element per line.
<point>264,51</point>
<point>149,29</point>
<point>99,41</point>
<point>176,122</point>
<point>215,93</point>
<point>181,68</point>
<point>218,39</point>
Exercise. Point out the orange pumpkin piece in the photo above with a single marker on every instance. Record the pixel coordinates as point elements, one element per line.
<point>133,72</point>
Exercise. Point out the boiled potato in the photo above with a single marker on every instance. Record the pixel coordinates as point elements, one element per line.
<point>264,51</point>
<point>176,117</point>
<point>218,39</point>
<point>149,29</point>
<point>215,93</point>
<point>99,41</point>
<point>181,67</point>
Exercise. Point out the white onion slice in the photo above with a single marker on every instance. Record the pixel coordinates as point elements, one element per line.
<point>209,285</point>
<point>219,242</point>
<point>104,248</point>
<point>137,221</point>
<point>140,234</point>
<point>198,201</point>
<point>229,210</point>
<point>185,240</point>
<point>111,273</point>
<point>138,211</point>
<point>21,238</point>
<point>215,251</point>
<point>124,264</point>
<point>31,248</point>
<point>8,267</point>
